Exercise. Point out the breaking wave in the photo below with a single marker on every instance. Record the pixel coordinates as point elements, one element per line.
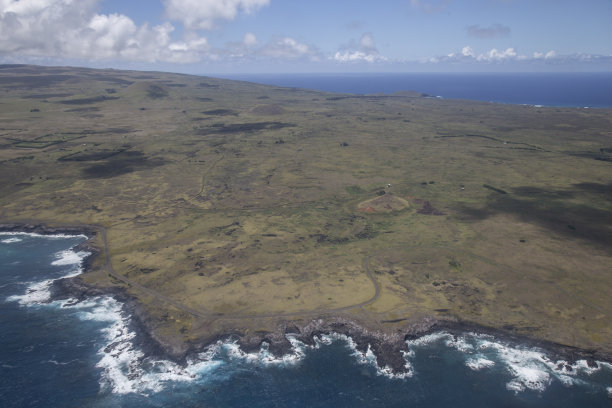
<point>70,257</point>
<point>528,368</point>
<point>367,357</point>
<point>124,368</point>
<point>39,292</point>
<point>10,240</point>
<point>16,235</point>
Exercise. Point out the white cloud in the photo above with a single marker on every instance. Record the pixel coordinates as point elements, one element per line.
<point>364,50</point>
<point>509,55</point>
<point>355,56</point>
<point>468,51</point>
<point>468,54</point>
<point>31,30</point>
<point>495,55</point>
<point>250,39</point>
<point>367,42</point>
<point>73,29</point>
<point>279,48</point>
<point>202,14</point>
<point>287,48</point>
<point>549,55</point>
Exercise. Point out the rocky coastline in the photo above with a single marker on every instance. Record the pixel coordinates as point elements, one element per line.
<point>388,346</point>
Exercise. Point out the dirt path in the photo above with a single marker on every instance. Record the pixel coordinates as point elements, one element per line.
<point>232,316</point>
<point>131,283</point>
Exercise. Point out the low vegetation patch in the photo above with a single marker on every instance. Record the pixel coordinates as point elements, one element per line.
<point>268,110</point>
<point>429,209</point>
<point>87,101</point>
<point>221,128</point>
<point>221,112</point>
<point>123,163</point>
<point>156,92</point>
<point>84,110</point>
<point>242,222</point>
<point>47,95</point>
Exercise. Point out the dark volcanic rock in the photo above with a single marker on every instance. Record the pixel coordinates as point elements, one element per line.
<point>73,288</point>
<point>386,346</point>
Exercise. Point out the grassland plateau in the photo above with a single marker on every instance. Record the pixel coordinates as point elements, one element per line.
<point>222,207</point>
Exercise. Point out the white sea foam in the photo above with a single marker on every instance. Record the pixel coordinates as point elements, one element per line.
<point>461,343</point>
<point>36,293</point>
<point>478,363</point>
<point>69,257</point>
<point>125,368</point>
<point>365,357</point>
<point>50,236</point>
<point>427,339</point>
<point>328,339</point>
<point>60,363</point>
<point>324,339</point>
<point>368,357</point>
<point>11,240</point>
<point>582,366</point>
<point>263,356</point>
<point>528,376</point>
<point>119,359</point>
<point>529,368</point>
<point>39,292</point>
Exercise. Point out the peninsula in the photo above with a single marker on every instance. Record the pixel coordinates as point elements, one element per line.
<point>220,207</point>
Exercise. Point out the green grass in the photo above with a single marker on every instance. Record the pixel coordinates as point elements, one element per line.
<point>227,206</point>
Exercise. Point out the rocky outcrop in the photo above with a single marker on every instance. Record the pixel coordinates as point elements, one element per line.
<point>387,346</point>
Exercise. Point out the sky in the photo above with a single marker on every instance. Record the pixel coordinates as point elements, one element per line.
<point>290,36</point>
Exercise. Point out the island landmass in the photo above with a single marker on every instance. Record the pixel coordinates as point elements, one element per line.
<point>219,208</point>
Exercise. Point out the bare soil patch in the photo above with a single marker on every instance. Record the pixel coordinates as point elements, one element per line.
<point>383,203</point>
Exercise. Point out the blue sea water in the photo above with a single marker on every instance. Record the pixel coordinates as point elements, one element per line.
<point>70,354</point>
<point>579,89</point>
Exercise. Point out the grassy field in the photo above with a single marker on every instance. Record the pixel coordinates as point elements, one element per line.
<point>230,206</point>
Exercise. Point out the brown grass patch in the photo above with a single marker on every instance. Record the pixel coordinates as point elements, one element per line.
<point>384,203</point>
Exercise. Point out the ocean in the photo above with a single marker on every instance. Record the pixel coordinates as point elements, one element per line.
<point>86,354</point>
<point>578,89</point>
